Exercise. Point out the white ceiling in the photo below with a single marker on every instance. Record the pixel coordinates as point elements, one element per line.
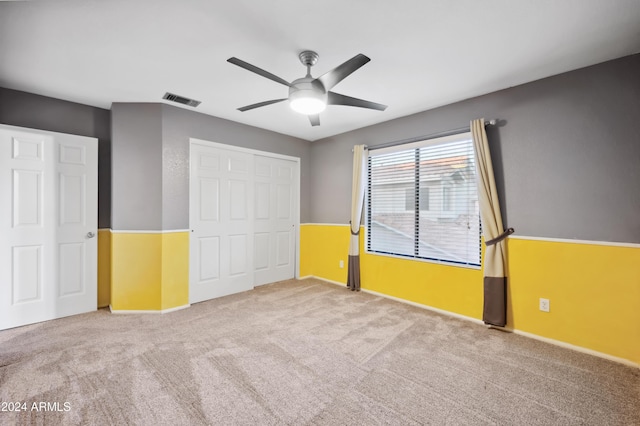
<point>424,53</point>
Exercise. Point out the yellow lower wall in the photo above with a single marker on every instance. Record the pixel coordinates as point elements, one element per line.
<point>104,267</point>
<point>594,290</point>
<point>175,270</point>
<point>321,249</point>
<point>149,271</point>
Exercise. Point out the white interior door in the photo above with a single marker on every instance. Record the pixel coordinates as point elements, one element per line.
<point>274,219</point>
<point>48,225</point>
<point>221,202</point>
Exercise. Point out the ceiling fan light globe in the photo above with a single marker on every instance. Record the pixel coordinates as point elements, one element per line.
<point>307,105</point>
<point>307,96</point>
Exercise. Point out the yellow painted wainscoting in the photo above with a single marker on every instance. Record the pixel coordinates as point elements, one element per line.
<point>593,291</point>
<point>322,247</point>
<point>593,288</point>
<point>149,270</point>
<point>175,270</point>
<point>104,267</point>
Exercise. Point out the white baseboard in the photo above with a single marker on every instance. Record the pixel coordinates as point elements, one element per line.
<point>480,322</point>
<point>575,348</point>
<point>408,302</point>
<point>327,280</point>
<point>427,307</point>
<point>305,277</point>
<point>155,311</point>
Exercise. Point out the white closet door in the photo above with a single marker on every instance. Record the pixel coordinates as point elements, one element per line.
<point>48,225</point>
<point>221,202</point>
<point>274,233</point>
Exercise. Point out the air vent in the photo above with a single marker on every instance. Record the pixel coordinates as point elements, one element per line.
<point>181,100</point>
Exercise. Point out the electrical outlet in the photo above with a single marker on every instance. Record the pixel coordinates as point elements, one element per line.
<point>544,305</point>
<point>342,263</point>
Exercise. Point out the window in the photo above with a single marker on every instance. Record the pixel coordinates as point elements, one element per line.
<point>410,199</point>
<point>446,198</point>
<point>438,177</point>
<point>424,198</point>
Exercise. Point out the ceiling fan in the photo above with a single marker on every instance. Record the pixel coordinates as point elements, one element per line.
<point>308,95</point>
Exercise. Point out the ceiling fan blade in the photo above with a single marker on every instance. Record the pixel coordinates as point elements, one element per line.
<point>247,66</point>
<point>338,99</point>
<point>341,72</point>
<point>315,119</point>
<point>260,104</point>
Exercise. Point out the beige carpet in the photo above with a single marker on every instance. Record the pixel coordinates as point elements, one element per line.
<point>303,352</point>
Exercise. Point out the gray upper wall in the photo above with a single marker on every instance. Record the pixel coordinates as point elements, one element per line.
<point>150,161</point>
<point>136,166</point>
<point>54,115</point>
<point>566,155</point>
<point>178,125</point>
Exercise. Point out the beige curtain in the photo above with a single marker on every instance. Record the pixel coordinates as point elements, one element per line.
<point>495,280</point>
<point>358,185</point>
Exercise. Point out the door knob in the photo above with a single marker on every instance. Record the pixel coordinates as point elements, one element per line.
<point>91,234</point>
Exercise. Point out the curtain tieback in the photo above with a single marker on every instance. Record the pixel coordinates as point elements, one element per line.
<point>351,229</point>
<point>500,237</point>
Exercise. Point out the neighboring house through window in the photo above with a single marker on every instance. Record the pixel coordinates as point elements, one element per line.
<point>410,199</point>
<point>422,201</point>
<point>446,198</point>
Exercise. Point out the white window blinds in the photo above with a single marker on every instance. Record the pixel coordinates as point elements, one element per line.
<point>422,201</point>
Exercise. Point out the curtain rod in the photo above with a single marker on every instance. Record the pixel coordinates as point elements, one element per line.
<point>491,122</point>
